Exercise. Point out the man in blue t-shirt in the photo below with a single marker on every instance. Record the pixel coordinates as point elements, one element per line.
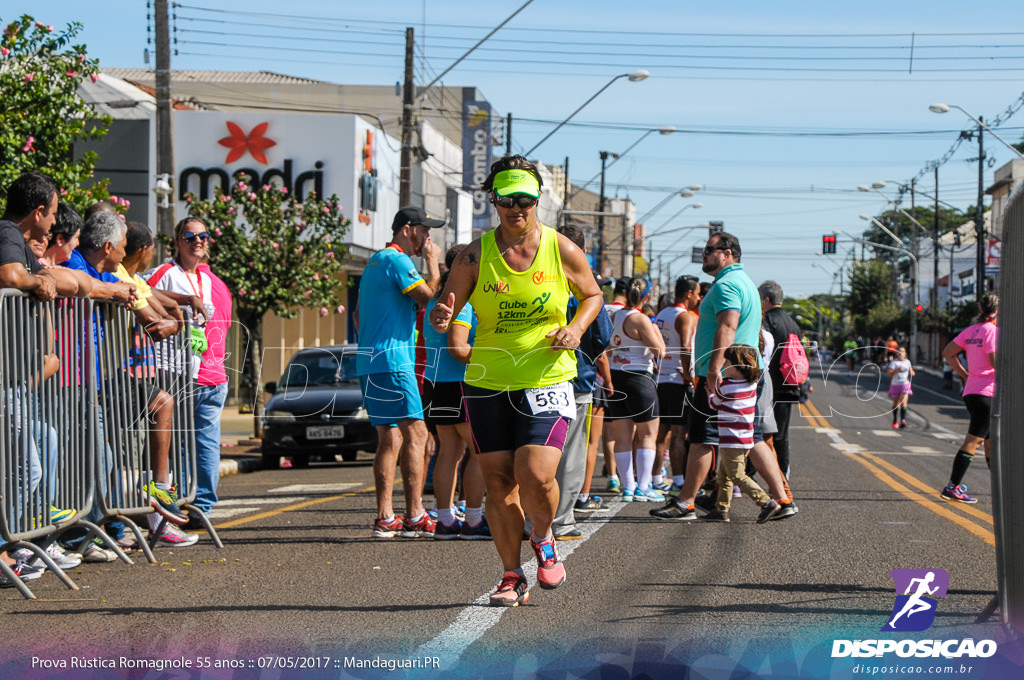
<point>389,291</point>
<point>730,314</point>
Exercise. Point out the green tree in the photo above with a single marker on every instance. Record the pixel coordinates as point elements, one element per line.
<point>871,299</point>
<point>275,255</point>
<point>41,114</point>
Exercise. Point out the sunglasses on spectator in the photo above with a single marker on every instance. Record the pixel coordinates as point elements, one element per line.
<point>190,237</point>
<point>522,201</point>
<point>710,249</point>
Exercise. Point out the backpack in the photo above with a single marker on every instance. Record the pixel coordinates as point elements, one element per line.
<point>793,361</point>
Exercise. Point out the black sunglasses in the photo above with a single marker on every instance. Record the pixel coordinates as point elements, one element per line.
<point>190,237</point>
<point>520,200</point>
<point>710,249</point>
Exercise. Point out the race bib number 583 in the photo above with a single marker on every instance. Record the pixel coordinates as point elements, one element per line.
<point>552,398</point>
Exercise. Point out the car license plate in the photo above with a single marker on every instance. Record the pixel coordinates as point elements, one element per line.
<point>325,432</point>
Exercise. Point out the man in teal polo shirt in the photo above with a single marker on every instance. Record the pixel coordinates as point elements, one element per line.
<point>389,291</point>
<point>730,314</point>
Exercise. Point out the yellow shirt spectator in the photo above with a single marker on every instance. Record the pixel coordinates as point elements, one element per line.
<point>144,292</point>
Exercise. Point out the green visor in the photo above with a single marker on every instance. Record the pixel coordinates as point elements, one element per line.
<point>508,182</point>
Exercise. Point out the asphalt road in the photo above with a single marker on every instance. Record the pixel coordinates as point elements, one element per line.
<point>300,578</point>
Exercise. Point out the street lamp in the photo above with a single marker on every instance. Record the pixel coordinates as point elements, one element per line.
<point>979,214</point>
<point>913,280</point>
<point>660,230</point>
<point>944,108</point>
<point>685,192</point>
<point>633,76</point>
<point>666,130</point>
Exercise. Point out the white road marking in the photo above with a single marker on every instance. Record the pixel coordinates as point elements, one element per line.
<point>845,446</point>
<point>952,400</point>
<point>316,488</point>
<point>231,502</point>
<point>907,453</point>
<point>476,619</point>
<point>219,514</point>
<point>947,436</point>
<point>885,433</point>
<point>920,449</point>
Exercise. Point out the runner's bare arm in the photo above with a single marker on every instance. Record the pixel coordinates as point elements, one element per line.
<point>423,292</point>
<point>458,342</point>
<point>584,286</point>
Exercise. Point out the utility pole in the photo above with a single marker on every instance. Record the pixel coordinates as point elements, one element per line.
<point>934,302</point>
<point>914,283</point>
<point>600,218</point>
<point>625,248</point>
<point>408,96</point>
<point>164,131</point>
<point>508,136</point>
<point>979,221</point>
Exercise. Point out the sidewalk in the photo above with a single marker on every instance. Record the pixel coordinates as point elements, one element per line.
<point>236,456</point>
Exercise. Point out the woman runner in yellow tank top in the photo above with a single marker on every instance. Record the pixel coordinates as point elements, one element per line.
<point>518,278</point>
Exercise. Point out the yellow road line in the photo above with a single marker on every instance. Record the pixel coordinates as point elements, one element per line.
<point>914,481</point>
<point>287,508</point>
<point>816,412</point>
<point>811,416</point>
<point>940,510</point>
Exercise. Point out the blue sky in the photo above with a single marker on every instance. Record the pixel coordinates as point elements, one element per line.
<point>782,108</point>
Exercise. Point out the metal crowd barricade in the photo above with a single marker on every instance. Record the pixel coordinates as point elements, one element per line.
<point>46,459</point>
<point>136,373</point>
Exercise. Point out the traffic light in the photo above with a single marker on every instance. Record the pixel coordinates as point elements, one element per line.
<point>828,244</point>
<point>715,227</point>
<point>919,308</point>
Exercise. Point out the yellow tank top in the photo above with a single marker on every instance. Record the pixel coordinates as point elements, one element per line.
<point>515,310</point>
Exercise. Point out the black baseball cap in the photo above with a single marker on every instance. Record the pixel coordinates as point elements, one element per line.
<point>414,215</point>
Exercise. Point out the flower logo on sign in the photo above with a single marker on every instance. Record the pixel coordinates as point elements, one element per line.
<point>239,142</point>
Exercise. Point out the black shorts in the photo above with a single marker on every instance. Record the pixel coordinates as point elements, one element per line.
<point>502,421</point>
<point>980,408</point>
<point>635,398</point>
<point>672,402</point>
<point>702,426</point>
<point>443,404</point>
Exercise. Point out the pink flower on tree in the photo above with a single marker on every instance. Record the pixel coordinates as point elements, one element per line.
<point>218,232</point>
<point>4,51</point>
<point>330,255</point>
<point>224,198</point>
<point>28,145</point>
<point>94,77</point>
<point>266,187</point>
<point>243,186</point>
<point>252,196</point>
<point>323,311</point>
<point>341,309</point>
<point>301,248</point>
<point>307,293</point>
<point>284,190</point>
<point>29,77</point>
<point>275,244</point>
<point>72,74</point>
<point>242,293</point>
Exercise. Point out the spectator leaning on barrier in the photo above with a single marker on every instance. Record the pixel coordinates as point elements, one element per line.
<point>187,282</point>
<point>30,212</point>
<point>101,249</point>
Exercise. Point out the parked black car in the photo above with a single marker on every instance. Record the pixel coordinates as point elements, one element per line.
<point>317,409</point>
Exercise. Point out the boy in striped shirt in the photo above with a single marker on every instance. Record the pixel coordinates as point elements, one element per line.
<point>735,403</point>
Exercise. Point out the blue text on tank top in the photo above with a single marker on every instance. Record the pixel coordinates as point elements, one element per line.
<point>387,315</point>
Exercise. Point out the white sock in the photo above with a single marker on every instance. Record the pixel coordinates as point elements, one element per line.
<point>474,516</point>
<point>583,497</point>
<point>644,461</point>
<point>658,479</point>
<point>677,480</point>
<point>446,516</point>
<point>624,462</point>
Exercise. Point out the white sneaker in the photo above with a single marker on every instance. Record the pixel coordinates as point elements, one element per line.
<point>173,537</point>
<point>94,552</point>
<point>63,559</point>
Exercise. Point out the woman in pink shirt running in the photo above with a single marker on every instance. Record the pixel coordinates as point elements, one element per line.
<point>978,342</point>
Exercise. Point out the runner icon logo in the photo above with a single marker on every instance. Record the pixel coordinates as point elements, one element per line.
<point>915,605</point>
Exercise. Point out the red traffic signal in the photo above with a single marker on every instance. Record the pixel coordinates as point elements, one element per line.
<point>828,244</point>
<point>919,308</point>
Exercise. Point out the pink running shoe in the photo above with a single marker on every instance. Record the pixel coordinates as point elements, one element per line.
<point>550,570</point>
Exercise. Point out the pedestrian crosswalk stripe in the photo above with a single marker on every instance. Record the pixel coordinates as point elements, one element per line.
<point>920,449</point>
<point>262,500</point>
<point>885,433</point>
<point>224,513</point>
<point>315,488</point>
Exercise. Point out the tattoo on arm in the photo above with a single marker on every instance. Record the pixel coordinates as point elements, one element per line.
<point>469,258</point>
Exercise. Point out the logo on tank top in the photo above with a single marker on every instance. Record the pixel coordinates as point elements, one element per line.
<point>541,277</point>
<point>498,288</point>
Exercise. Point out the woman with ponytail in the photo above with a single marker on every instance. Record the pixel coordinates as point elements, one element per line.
<point>978,342</point>
<point>637,348</point>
